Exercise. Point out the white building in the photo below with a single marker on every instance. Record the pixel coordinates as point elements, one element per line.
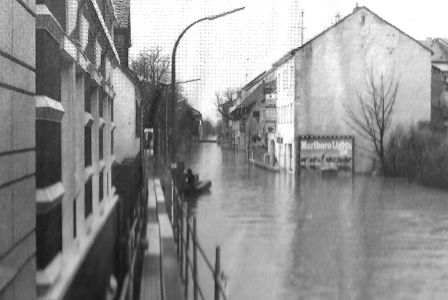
<point>284,136</point>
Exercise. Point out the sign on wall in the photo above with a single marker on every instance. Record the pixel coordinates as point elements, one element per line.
<point>326,152</point>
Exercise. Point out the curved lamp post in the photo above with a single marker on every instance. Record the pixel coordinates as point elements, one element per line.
<point>173,76</point>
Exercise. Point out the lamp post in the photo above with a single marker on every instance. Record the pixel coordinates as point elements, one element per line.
<point>173,76</point>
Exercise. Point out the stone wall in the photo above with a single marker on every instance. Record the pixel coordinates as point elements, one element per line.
<point>17,150</point>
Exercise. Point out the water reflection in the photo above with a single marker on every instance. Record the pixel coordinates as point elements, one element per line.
<point>321,238</point>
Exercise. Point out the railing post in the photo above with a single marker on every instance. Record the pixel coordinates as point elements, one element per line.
<point>217,272</point>
<point>187,246</point>
<point>178,216</point>
<point>195,261</point>
<point>172,196</point>
<point>181,240</point>
<point>172,210</point>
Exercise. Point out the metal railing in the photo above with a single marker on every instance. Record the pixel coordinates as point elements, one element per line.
<point>185,235</point>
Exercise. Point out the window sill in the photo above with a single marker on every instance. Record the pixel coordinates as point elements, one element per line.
<point>88,172</point>
<point>48,109</point>
<point>48,276</point>
<point>88,119</point>
<point>102,122</point>
<point>49,197</point>
<point>101,165</point>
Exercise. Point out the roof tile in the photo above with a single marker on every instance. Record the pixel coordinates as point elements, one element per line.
<point>123,10</point>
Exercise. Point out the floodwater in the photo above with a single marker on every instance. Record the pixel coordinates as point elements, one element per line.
<point>311,237</point>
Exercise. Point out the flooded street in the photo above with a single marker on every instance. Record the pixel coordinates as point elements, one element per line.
<point>320,238</point>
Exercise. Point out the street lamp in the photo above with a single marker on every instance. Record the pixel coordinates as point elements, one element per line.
<point>173,75</point>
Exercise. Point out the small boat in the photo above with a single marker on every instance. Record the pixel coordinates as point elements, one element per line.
<point>199,188</point>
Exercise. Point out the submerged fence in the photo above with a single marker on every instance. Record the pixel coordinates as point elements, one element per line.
<point>188,248</point>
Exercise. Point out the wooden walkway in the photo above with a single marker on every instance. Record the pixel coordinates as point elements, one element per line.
<point>161,275</point>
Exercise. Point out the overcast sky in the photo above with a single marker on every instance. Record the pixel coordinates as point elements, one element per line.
<point>230,51</point>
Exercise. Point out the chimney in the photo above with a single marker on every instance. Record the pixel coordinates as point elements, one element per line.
<point>356,8</point>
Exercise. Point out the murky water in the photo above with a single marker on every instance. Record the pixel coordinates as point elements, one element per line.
<point>311,237</point>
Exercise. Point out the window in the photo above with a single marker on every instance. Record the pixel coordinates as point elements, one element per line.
<point>48,66</point>
<point>101,143</point>
<point>107,185</point>
<point>87,95</point>
<point>48,236</point>
<point>256,115</point>
<point>48,153</point>
<point>112,142</point>
<point>111,110</point>
<point>101,185</point>
<point>137,119</point>
<point>292,112</point>
<point>101,104</point>
<point>87,146</point>
<point>103,65</point>
<point>88,198</point>
<point>74,219</point>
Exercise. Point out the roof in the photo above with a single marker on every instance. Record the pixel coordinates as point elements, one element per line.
<point>443,67</point>
<point>196,113</point>
<point>122,11</point>
<point>439,47</point>
<point>290,53</point>
<point>257,94</point>
<point>254,81</point>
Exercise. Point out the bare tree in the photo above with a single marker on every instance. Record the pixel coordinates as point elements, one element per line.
<point>223,101</point>
<point>152,66</point>
<point>373,117</point>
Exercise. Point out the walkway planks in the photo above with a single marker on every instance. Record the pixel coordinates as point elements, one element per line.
<point>160,276</point>
<point>171,283</point>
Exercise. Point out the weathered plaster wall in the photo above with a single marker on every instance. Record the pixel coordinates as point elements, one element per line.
<point>126,142</point>
<point>334,67</point>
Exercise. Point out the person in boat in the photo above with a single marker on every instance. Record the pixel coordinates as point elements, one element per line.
<point>190,179</point>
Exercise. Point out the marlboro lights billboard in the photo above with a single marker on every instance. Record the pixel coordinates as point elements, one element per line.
<point>326,152</point>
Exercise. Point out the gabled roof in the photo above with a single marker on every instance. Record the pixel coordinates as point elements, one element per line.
<point>290,53</point>
<point>122,11</point>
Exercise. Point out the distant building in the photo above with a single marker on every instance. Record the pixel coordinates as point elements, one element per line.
<point>439,81</point>
<point>285,149</point>
<point>316,82</point>
<point>18,151</point>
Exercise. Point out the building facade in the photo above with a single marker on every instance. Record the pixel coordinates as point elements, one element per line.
<point>83,237</point>
<point>76,201</point>
<point>439,81</point>
<point>285,148</point>
<point>17,150</point>
<point>333,69</point>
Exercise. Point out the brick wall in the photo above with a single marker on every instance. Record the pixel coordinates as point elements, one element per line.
<point>17,150</point>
